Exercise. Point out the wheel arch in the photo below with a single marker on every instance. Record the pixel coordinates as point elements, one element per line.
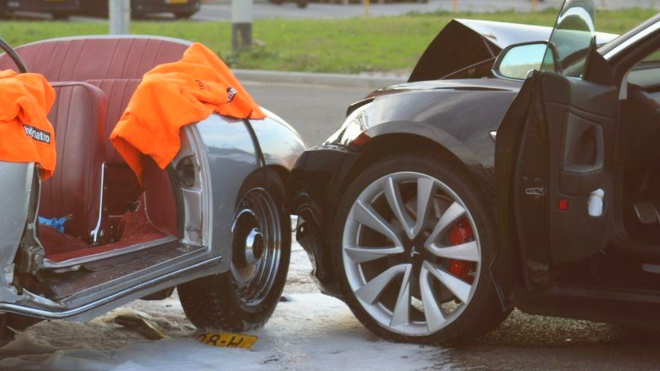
<point>394,143</point>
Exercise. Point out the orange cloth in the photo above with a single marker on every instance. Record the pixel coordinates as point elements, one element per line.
<point>26,135</point>
<point>173,95</point>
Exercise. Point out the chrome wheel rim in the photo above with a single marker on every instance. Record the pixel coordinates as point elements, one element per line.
<point>398,256</point>
<point>256,246</point>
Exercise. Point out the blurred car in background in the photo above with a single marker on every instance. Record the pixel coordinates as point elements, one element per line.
<point>300,3</point>
<point>182,9</point>
<point>59,9</point>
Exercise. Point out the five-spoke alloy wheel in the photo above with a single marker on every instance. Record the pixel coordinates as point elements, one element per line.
<point>414,234</point>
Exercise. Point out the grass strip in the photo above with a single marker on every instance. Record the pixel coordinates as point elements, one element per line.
<point>353,45</point>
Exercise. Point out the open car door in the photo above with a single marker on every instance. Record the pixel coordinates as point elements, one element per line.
<point>555,156</point>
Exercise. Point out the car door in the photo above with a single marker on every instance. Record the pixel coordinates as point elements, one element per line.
<point>555,157</point>
<point>555,170</point>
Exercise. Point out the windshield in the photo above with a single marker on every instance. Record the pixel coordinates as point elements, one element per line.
<point>571,38</point>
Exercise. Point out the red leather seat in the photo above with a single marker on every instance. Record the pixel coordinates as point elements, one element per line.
<point>120,92</point>
<point>75,188</point>
<point>116,66</point>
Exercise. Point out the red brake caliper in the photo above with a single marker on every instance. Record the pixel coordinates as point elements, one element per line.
<point>459,234</point>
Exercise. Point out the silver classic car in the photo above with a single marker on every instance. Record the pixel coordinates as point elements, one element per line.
<point>212,223</point>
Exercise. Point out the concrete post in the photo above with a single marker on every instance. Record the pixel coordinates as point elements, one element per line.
<point>119,15</point>
<point>241,29</point>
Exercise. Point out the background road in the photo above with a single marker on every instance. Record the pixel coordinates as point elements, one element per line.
<point>523,342</point>
<point>221,9</point>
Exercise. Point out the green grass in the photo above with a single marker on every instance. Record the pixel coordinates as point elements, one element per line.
<point>333,45</point>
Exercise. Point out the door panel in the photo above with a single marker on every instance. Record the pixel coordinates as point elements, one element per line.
<point>563,153</point>
<point>581,150</point>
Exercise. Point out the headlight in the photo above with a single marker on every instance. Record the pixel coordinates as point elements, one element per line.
<point>354,126</point>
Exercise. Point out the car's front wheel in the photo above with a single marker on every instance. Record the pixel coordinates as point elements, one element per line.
<point>245,297</point>
<point>414,235</point>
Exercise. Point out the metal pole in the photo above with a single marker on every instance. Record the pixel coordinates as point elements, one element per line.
<point>533,6</point>
<point>454,6</point>
<point>366,7</point>
<point>241,29</point>
<point>119,15</point>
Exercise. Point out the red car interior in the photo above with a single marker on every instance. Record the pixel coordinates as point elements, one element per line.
<point>90,173</point>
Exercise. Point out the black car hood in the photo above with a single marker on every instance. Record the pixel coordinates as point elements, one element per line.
<point>465,84</point>
<point>465,42</point>
<point>492,84</point>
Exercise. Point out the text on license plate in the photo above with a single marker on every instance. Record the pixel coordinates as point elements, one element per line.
<point>228,340</point>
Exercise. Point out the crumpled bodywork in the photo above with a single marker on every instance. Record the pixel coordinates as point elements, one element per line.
<point>467,48</point>
<point>467,43</point>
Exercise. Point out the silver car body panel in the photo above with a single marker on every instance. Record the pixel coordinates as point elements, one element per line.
<point>225,153</point>
<point>15,189</point>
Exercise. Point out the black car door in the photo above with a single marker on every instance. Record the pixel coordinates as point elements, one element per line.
<point>555,172</point>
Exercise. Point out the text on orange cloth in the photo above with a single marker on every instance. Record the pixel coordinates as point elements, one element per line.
<point>26,135</point>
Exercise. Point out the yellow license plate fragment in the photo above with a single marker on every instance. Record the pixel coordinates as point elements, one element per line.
<point>228,340</point>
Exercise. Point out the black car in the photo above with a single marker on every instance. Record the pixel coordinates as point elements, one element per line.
<point>440,205</point>
<point>182,9</point>
<point>59,9</point>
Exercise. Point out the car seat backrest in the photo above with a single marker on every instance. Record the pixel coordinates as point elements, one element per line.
<point>119,92</point>
<point>75,188</point>
<point>97,57</point>
<point>115,64</point>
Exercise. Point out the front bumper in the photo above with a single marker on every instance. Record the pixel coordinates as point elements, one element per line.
<point>314,189</point>
<point>45,6</point>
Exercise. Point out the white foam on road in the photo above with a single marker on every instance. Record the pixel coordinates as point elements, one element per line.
<point>312,332</point>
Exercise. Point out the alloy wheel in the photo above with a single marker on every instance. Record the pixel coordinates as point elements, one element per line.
<point>411,253</point>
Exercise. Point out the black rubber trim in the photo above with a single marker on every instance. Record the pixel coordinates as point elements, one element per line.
<point>14,56</point>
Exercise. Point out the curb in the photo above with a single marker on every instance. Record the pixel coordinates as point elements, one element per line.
<point>308,78</point>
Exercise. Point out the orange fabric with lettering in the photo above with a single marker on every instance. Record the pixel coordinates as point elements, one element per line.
<point>26,135</point>
<point>174,95</point>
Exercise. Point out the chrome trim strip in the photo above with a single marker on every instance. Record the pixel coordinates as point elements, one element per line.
<point>644,33</point>
<point>108,254</point>
<point>95,232</point>
<point>44,313</point>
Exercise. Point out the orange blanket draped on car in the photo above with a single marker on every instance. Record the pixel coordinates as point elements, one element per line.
<point>26,135</point>
<point>173,95</point>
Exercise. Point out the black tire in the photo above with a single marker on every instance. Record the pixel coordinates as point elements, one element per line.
<point>483,311</point>
<point>302,3</point>
<point>183,15</point>
<point>222,301</point>
<point>60,16</point>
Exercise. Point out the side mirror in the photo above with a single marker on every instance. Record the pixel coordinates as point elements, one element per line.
<point>516,61</point>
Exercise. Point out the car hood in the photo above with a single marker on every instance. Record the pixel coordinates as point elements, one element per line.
<point>492,84</point>
<point>466,42</point>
